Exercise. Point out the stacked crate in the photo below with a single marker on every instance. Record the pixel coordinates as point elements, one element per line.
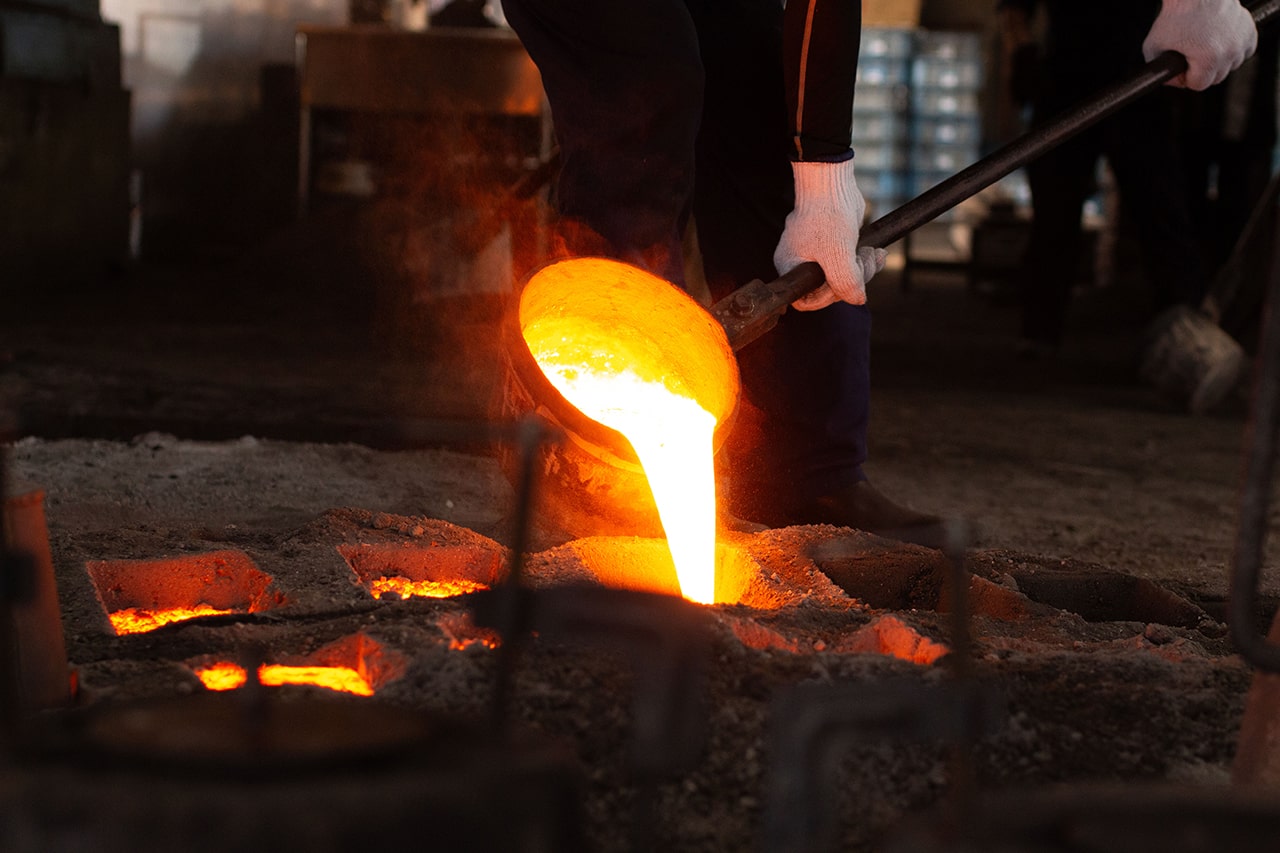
<point>881,117</point>
<point>946,125</point>
<point>916,113</point>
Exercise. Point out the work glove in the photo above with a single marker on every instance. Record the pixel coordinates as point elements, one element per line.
<point>1215,36</point>
<point>823,226</point>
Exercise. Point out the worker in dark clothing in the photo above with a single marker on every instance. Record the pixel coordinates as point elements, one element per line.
<point>736,113</point>
<point>1228,135</point>
<point>1089,45</point>
<point>1229,138</point>
<point>739,115</point>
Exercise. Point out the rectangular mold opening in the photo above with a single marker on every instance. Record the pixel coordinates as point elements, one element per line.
<point>439,571</point>
<point>142,595</point>
<point>357,664</point>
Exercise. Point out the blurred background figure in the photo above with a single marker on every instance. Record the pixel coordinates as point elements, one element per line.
<point>1085,46</point>
<point>1228,138</point>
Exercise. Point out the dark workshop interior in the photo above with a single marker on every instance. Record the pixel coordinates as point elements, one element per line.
<point>292,559</point>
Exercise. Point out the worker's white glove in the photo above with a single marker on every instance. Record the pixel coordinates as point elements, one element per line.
<point>824,227</point>
<point>1215,36</point>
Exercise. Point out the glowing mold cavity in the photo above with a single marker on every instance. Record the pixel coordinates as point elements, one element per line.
<point>357,664</point>
<point>439,571</point>
<point>142,595</point>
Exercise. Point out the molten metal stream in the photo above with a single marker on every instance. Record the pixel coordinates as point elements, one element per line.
<point>672,435</point>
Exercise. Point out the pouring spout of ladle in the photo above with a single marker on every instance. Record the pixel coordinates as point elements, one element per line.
<point>753,309</point>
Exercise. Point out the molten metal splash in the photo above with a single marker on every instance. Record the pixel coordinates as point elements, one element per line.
<point>404,587</point>
<point>229,676</point>
<point>137,620</point>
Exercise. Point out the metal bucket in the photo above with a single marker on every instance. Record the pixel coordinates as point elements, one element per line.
<point>1190,359</point>
<point>592,483</point>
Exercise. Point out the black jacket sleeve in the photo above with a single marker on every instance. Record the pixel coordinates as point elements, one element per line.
<point>820,52</point>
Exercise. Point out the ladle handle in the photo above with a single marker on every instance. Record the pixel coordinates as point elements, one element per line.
<point>753,309</point>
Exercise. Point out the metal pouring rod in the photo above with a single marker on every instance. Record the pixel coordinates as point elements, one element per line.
<point>753,309</point>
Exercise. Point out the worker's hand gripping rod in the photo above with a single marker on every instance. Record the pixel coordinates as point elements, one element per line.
<point>754,308</point>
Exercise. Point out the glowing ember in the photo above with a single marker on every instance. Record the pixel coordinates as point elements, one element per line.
<point>137,620</point>
<point>229,676</point>
<point>404,587</point>
<point>222,676</point>
<point>672,435</point>
<point>462,633</point>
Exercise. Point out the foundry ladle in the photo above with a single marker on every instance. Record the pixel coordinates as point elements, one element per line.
<point>754,308</point>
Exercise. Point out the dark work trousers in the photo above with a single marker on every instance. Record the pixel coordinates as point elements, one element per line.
<point>1140,145</point>
<point>667,108</point>
<point>1229,133</point>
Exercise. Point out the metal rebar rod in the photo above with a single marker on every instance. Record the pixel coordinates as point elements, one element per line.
<point>16,589</point>
<point>962,792</point>
<point>1259,469</point>
<point>9,714</point>
<point>512,618</point>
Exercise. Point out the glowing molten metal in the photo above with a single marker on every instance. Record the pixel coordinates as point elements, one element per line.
<point>138,620</point>
<point>634,353</point>
<point>229,676</point>
<point>405,587</point>
<point>672,436</point>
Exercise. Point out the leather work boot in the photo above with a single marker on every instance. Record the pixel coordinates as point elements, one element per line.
<point>864,507</point>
